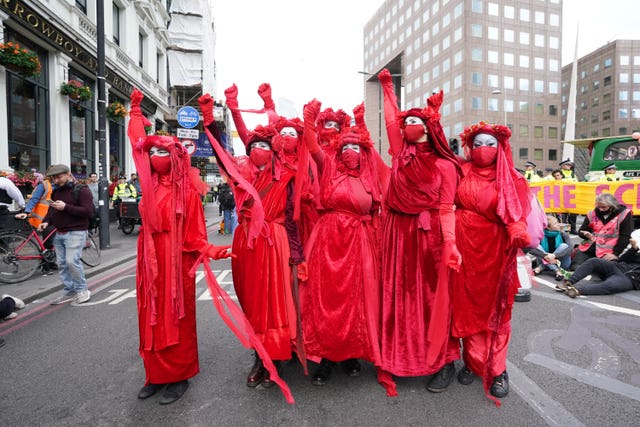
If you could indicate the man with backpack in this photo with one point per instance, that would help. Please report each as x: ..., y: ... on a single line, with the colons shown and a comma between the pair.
x: 228, y: 208
x: 70, y: 209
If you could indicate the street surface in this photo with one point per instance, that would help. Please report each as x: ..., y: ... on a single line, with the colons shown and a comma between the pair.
x: 571, y: 363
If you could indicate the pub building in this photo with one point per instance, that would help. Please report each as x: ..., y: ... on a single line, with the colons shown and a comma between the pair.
x: 43, y: 126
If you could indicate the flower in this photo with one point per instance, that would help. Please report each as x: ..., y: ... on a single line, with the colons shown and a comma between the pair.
x: 22, y: 178
x: 19, y: 59
x: 76, y: 90
x: 116, y: 110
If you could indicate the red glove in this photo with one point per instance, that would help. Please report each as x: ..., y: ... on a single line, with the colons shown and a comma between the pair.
x: 455, y: 259
x: 264, y: 90
x: 206, y: 106
x: 231, y: 95
x: 303, y: 273
x: 218, y: 252
x: 518, y: 236
x: 358, y: 114
x: 384, y: 77
x: 310, y: 112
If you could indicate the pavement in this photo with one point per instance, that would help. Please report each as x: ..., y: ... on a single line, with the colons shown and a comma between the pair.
x: 122, y: 248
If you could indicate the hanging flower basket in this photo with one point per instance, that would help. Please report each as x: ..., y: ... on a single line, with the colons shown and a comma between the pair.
x: 76, y: 90
x: 19, y: 59
x: 116, y: 111
x: 25, y: 181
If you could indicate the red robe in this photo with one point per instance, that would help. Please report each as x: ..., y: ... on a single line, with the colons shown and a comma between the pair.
x: 262, y: 275
x: 412, y: 246
x: 340, y: 302
x: 170, y: 354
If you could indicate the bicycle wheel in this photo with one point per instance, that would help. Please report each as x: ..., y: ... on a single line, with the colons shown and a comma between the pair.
x: 90, y: 253
x: 20, y: 257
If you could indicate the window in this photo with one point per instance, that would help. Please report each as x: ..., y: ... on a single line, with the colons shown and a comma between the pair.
x: 425, y: 77
x: 539, y: 108
x: 583, y: 105
x: 476, y: 6
x: 553, y: 87
x: 606, y: 132
x: 524, y: 38
x: 608, y: 63
x: 523, y: 84
x: 457, y: 34
x: 508, y: 59
x: 539, y: 17
x: 492, y: 104
x: 493, y: 9
x: 82, y: 5
x: 492, y: 80
x: 476, y: 54
x: 457, y: 58
x: 553, y: 153
x: 524, y: 61
x: 492, y: 56
x: 624, y: 77
x: 622, y: 131
x: 509, y: 12
x: 446, y: 20
x: 509, y: 36
x: 524, y: 131
x: 446, y: 42
x: 457, y: 81
x: 553, y: 133
x: 446, y: 65
x: 524, y: 107
x: 554, y: 42
x: 476, y: 103
x: 523, y: 153
x: 524, y: 15
x: 538, y: 85
x: 492, y: 33
x: 594, y: 118
x: 141, y: 50
x: 538, y: 132
x: 538, y: 63
x: 636, y: 77
x: 596, y: 84
x: 636, y: 95
x: 435, y: 71
x: 538, y: 153
x: 116, y: 24
x: 606, y: 99
x: 476, y: 30
x: 508, y: 82
x: 624, y: 59
x: 606, y: 115
x: 457, y: 105
x: 476, y: 78
x: 457, y: 11
x: 635, y: 113
x: 539, y: 40
x: 554, y: 65
x: 554, y: 20
x: 623, y: 95
x: 508, y: 106
x: 607, y: 81
x: 595, y: 101
x: 553, y: 110
x: 596, y: 68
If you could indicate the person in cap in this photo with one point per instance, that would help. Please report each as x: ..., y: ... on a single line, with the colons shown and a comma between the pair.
x: 548, y: 174
x: 123, y: 190
x: 530, y: 172
x: 492, y: 204
x: 418, y: 245
x: 172, y: 243
x: 609, y: 173
x: 70, y: 210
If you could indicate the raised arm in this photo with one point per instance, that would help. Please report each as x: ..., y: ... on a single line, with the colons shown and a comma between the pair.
x: 264, y: 90
x: 391, y: 111
x: 231, y: 95
x: 310, y: 114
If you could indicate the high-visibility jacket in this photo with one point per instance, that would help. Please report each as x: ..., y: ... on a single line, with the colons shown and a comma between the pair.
x: 605, y: 235
x: 41, y: 208
x: 568, y: 175
x: 124, y: 191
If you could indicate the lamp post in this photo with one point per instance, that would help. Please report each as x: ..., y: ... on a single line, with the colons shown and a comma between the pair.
x: 380, y: 106
x: 504, y: 102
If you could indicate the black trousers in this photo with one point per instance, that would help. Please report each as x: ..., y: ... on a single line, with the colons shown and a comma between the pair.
x: 7, y: 306
x: 613, y: 278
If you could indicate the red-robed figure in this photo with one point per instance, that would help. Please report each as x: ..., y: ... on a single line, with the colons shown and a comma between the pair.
x: 171, y: 240
x: 492, y: 204
x: 418, y: 244
x: 340, y: 301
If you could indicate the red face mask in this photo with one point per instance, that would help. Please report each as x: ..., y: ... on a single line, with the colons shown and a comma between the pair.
x: 351, y: 159
x: 484, y: 156
x: 285, y: 143
x: 328, y: 134
x: 260, y: 157
x: 413, y: 133
x: 161, y: 164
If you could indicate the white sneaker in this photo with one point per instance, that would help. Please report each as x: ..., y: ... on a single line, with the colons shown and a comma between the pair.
x: 83, y: 296
x: 63, y: 298
x: 19, y: 303
x: 11, y: 316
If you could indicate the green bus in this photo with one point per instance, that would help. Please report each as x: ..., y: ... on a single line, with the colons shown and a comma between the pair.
x: 623, y: 151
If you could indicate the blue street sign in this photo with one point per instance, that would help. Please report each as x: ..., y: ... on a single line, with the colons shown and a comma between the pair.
x: 188, y: 117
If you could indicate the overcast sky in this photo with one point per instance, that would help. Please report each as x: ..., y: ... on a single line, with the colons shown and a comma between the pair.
x: 308, y: 49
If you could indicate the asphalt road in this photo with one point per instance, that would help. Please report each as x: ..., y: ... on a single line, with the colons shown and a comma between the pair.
x: 571, y: 363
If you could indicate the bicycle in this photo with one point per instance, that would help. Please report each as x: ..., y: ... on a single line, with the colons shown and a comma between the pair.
x: 22, y: 254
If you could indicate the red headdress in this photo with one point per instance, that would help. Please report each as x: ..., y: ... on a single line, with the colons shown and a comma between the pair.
x: 328, y: 115
x: 513, y: 199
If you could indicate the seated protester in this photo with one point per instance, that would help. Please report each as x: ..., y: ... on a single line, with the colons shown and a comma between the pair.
x: 554, y: 250
x: 606, y: 230
x: 617, y: 276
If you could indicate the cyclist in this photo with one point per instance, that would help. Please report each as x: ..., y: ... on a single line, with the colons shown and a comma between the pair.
x: 69, y: 213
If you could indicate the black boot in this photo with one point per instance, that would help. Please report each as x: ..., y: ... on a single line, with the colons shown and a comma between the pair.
x: 256, y: 375
x: 267, y: 382
x: 323, y: 373
x: 149, y: 390
x: 352, y: 367
x: 441, y: 380
x: 174, y: 392
x: 465, y: 376
x: 500, y: 386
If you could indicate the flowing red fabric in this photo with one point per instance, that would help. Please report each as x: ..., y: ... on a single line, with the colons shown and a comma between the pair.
x: 262, y: 275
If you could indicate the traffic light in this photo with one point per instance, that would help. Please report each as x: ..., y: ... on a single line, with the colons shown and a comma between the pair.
x: 455, y: 147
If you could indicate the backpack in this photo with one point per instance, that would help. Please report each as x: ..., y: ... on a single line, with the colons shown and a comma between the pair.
x: 76, y: 191
x: 226, y: 199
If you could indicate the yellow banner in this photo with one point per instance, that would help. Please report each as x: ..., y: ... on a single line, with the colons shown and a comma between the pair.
x: 579, y: 197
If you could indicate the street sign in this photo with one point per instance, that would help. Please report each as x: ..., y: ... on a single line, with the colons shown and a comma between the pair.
x: 188, y: 117
x: 188, y: 133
